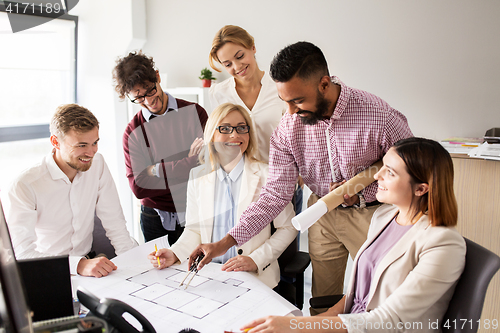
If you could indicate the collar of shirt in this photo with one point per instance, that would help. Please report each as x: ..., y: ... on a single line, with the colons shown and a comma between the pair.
x: 342, y: 100
x: 54, y: 170
x: 234, y: 174
x: 171, y: 105
x: 263, y: 81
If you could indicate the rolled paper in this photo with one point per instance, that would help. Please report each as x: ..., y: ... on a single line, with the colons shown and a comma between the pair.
x: 304, y: 220
x: 333, y: 199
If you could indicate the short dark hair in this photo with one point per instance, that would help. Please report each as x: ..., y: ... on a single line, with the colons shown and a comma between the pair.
x: 302, y: 59
x: 135, y: 68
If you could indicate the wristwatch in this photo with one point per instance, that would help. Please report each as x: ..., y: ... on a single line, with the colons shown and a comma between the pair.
x: 362, y: 202
x: 153, y: 170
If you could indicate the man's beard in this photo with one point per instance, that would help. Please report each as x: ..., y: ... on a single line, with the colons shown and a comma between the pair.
x: 82, y: 168
x: 322, y: 105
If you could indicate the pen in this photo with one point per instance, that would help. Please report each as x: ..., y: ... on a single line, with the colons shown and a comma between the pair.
x: 157, y: 258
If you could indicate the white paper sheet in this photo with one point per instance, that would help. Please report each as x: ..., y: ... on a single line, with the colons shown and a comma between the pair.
x: 214, y: 301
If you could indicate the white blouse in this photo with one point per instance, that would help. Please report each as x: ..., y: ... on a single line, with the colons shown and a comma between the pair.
x: 266, y: 113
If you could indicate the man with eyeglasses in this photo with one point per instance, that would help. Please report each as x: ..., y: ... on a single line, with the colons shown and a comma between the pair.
x: 161, y: 144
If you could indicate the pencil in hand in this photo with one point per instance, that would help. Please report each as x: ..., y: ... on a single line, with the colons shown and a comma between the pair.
x: 157, y: 258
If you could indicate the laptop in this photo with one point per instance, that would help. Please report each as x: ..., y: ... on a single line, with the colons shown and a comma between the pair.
x: 47, y: 282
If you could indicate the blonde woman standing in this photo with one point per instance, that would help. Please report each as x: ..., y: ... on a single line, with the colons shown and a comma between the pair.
x: 234, y: 49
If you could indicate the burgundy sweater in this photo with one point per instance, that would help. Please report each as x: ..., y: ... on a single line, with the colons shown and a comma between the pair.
x: 165, y: 139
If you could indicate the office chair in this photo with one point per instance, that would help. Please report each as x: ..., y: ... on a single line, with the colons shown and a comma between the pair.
x: 292, y: 264
x: 101, y: 243
x: 468, y: 298
x: 467, y: 302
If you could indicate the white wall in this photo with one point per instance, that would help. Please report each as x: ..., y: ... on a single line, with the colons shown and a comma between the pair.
x: 435, y: 61
x: 108, y: 30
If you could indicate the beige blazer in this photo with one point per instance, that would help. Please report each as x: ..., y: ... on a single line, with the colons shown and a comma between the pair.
x: 263, y: 248
x: 414, y: 282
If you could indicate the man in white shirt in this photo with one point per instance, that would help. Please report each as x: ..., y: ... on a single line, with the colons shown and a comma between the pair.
x: 53, y: 203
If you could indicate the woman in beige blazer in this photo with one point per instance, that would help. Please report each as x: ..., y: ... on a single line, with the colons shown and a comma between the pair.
x: 229, y: 151
x: 405, y: 273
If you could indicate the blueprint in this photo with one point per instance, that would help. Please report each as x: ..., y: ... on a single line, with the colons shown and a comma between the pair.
x: 214, y: 301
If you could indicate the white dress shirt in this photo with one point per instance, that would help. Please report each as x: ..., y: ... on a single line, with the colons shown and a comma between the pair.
x: 50, y: 215
x: 266, y: 112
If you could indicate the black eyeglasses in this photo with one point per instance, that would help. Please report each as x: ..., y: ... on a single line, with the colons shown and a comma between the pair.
x: 242, y: 129
x: 140, y: 99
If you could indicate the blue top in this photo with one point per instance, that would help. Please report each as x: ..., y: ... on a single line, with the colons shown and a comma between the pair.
x: 226, y: 205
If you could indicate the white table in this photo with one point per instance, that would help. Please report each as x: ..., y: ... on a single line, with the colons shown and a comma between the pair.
x: 215, y: 300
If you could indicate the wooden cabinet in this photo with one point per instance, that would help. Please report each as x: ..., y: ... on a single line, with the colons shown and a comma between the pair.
x: 477, y: 188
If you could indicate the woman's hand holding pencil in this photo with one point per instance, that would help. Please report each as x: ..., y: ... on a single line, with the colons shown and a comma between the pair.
x: 162, y: 258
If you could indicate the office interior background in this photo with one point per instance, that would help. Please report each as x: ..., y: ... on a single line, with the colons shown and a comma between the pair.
x: 435, y: 61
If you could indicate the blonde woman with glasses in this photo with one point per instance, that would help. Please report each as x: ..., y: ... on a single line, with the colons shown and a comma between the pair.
x: 228, y: 180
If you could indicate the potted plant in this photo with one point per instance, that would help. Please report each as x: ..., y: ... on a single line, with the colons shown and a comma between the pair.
x: 206, y: 77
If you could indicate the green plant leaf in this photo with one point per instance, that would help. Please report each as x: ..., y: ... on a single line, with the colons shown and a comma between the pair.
x: 206, y: 74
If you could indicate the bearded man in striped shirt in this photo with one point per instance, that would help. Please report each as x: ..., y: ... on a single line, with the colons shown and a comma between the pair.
x: 330, y: 133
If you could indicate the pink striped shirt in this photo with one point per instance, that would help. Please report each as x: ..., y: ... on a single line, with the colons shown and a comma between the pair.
x: 361, y: 130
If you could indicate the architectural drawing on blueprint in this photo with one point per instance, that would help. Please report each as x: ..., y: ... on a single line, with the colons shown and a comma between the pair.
x: 202, y: 297
x: 214, y: 301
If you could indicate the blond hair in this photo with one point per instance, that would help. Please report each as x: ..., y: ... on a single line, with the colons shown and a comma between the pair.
x: 209, y: 155
x: 72, y: 117
x: 229, y: 34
